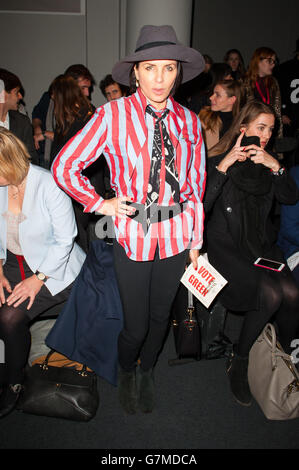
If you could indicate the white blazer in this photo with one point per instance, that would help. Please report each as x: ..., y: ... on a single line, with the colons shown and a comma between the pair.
x: 48, y: 232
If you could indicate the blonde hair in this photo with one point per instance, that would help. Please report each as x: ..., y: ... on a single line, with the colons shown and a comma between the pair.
x: 14, y: 158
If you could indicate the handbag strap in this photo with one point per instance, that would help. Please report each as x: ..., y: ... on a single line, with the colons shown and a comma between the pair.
x: 269, y: 335
x: 44, y: 365
x: 190, y: 299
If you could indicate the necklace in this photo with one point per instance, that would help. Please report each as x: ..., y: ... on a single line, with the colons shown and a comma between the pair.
x: 19, y: 188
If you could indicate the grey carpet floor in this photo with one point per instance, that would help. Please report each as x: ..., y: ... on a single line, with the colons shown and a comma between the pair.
x: 194, y: 410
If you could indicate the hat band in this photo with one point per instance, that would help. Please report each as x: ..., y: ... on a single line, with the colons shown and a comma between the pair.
x: 149, y: 45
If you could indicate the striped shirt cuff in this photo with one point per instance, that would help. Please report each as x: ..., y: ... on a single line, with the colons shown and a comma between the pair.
x: 95, y: 206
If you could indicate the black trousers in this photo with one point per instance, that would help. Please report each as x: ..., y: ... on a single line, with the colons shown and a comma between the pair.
x: 147, y: 290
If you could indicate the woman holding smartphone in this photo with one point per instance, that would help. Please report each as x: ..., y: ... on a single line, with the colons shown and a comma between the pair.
x: 243, y: 182
x: 234, y: 59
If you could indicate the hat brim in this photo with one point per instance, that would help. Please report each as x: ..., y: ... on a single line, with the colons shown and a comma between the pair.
x: 192, y: 61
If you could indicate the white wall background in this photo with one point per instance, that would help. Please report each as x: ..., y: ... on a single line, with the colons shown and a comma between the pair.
x: 38, y: 47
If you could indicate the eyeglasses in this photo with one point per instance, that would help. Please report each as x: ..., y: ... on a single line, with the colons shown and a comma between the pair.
x: 269, y: 60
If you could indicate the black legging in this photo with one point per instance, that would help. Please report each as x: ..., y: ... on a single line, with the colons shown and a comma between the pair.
x: 279, y: 298
x: 14, y: 322
x: 14, y: 331
x: 147, y: 290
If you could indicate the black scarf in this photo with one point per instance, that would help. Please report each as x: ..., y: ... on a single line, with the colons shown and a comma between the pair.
x: 251, y: 187
x: 171, y: 176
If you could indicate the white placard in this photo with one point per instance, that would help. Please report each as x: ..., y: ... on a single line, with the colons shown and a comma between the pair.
x: 205, y: 282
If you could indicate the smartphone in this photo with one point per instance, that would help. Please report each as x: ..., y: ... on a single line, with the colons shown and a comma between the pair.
x: 250, y: 140
x: 269, y: 264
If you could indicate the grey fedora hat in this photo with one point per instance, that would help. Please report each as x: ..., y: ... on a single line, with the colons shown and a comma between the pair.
x: 159, y: 42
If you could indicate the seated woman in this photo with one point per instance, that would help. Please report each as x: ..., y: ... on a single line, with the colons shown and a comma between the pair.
x: 260, y: 84
x: 225, y: 105
x: 218, y: 71
x: 243, y: 183
x: 288, y: 237
x: 72, y: 110
x: 38, y: 258
x: 235, y: 60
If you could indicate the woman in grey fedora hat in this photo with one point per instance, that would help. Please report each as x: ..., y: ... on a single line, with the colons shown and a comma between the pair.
x: 156, y: 156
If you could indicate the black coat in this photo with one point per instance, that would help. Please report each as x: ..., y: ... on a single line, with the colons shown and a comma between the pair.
x: 224, y: 232
x: 20, y: 126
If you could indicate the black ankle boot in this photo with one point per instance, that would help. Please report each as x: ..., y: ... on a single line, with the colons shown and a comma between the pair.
x: 127, y: 391
x: 9, y: 398
x: 238, y: 374
x: 146, y: 390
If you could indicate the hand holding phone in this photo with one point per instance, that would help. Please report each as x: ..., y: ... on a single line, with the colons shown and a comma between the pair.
x: 250, y: 140
x: 269, y: 264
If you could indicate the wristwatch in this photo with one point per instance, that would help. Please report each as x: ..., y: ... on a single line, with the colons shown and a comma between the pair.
x: 279, y: 172
x: 41, y: 276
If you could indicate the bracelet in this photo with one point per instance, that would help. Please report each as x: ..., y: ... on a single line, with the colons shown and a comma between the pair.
x: 279, y: 172
x: 222, y: 172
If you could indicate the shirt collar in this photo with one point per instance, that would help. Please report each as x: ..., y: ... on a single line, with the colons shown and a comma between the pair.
x: 170, y: 103
x: 6, y: 122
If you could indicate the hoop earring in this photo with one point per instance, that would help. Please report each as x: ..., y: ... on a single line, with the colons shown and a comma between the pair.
x: 137, y: 83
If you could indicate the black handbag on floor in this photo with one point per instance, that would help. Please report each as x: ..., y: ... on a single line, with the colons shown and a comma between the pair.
x: 214, y: 343
x: 185, y: 326
x: 198, y: 331
x: 60, y: 392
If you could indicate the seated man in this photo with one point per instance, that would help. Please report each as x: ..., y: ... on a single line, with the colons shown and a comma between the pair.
x: 10, y: 117
x: 82, y: 76
x: 111, y: 89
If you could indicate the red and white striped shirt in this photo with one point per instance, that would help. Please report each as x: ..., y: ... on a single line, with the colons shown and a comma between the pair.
x: 123, y: 132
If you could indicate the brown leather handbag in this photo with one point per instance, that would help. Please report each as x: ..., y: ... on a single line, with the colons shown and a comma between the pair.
x: 273, y: 378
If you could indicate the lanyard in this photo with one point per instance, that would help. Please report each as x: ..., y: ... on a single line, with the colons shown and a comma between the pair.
x: 265, y: 100
x: 21, y: 259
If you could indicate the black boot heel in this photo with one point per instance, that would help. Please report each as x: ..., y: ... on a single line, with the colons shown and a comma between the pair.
x: 127, y: 391
x: 237, y: 372
x: 146, y: 394
x: 8, y: 399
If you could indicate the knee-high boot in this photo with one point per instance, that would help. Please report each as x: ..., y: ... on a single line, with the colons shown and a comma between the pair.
x: 237, y: 371
x: 127, y: 391
x: 146, y: 390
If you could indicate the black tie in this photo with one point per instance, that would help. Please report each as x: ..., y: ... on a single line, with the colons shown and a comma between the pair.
x: 171, y: 176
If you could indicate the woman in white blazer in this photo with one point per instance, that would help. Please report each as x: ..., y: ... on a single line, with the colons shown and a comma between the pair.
x: 38, y: 257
